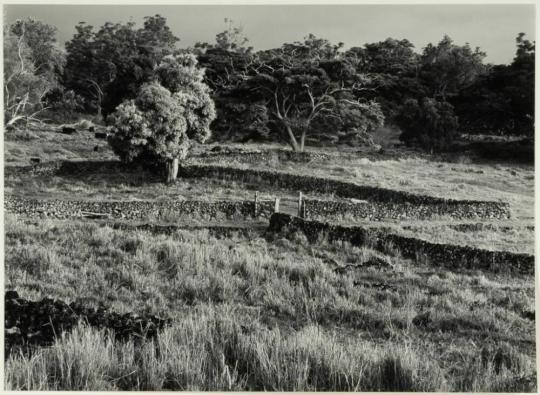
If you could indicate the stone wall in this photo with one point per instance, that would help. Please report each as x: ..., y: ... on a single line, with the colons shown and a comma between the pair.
x: 69, y: 168
x: 393, y: 203
x: 474, y: 227
x: 380, y: 202
x: 448, y: 255
x: 327, y: 209
x: 258, y: 156
x: 137, y: 209
x: 47, y: 168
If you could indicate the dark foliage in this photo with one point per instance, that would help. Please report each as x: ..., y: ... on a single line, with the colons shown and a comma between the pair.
x: 311, y: 90
x: 109, y: 65
x: 502, y: 102
x: 428, y: 123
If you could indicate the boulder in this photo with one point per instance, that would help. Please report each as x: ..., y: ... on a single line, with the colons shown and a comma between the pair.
x: 68, y: 130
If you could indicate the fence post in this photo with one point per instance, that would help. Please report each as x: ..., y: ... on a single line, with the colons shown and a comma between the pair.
x: 276, y: 205
x: 256, y: 201
x: 300, y: 204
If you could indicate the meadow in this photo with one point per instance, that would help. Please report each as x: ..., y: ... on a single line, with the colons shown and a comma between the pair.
x: 267, y: 313
x: 255, y: 310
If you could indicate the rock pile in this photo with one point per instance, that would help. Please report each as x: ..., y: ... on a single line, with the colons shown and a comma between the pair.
x: 39, y: 323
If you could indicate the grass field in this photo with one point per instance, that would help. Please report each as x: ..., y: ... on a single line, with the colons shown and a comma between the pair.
x: 258, y: 311
x: 267, y: 313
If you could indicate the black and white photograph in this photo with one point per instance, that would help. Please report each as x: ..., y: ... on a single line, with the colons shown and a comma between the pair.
x: 269, y: 197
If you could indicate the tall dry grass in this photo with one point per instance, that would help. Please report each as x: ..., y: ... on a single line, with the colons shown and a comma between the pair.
x: 266, y: 313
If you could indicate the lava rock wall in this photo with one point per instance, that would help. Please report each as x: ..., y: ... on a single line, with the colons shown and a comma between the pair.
x: 136, y: 209
x: 448, y: 255
x: 258, y: 156
x: 382, y: 202
x: 327, y: 209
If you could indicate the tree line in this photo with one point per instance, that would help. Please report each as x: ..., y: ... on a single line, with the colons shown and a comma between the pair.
x: 298, y: 93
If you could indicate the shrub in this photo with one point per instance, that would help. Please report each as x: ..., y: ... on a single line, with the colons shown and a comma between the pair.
x: 429, y: 124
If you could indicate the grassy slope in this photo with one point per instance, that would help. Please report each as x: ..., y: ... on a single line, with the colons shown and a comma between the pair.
x: 242, y: 305
x: 252, y: 313
x: 511, y: 183
x: 47, y: 144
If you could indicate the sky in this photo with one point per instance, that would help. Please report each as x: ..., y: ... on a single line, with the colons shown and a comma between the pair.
x: 493, y: 28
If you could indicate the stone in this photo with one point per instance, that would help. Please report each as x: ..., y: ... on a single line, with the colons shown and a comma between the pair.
x: 68, y: 130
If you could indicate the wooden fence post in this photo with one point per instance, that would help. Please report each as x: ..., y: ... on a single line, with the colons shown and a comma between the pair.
x: 300, y: 204
x: 276, y: 205
x: 256, y: 201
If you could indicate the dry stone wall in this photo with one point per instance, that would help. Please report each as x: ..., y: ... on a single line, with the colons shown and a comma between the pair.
x: 136, y: 209
x: 68, y: 168
x: 258, y: 156
x: 327, y: 209
x: 447, y: 255
x: 474, y: 227
x: 382, y: 202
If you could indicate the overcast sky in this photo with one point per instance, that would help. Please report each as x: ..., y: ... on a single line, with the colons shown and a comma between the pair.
x: 491, y: 27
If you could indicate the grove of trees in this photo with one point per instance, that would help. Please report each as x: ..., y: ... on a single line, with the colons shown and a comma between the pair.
x: 157, y: 96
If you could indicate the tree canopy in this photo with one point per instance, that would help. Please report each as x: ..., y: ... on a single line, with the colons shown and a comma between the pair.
x: 167, y: 114
x: 302, y: 92
x: 109, y: 65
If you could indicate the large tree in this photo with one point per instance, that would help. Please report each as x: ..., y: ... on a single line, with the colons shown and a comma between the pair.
x: 48, y: 58
x: 393, y: 68
x: 109, y: 65
x: 502, y: 101
x: 165, y: 117
x: 304, y: 83
x: 25, y: 81
x: 227, y: 62
x: 447, y: 68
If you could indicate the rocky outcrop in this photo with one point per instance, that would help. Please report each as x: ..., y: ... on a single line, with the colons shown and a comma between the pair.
x: 38, y: 323
x: 448, y: 255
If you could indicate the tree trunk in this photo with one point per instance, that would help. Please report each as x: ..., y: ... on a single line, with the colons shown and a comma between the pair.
x: 292, y: 139
x: 172, y: 170
x: 303, y: 140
